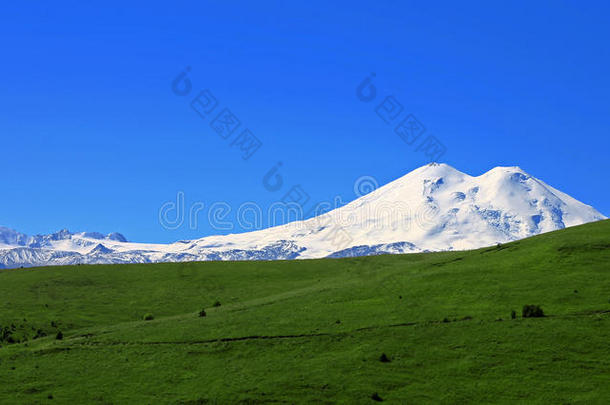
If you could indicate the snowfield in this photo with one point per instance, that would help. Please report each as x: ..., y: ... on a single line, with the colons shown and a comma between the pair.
x: 433, y: 208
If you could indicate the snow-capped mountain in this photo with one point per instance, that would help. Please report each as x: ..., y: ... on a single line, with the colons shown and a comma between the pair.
x: 433, y: 208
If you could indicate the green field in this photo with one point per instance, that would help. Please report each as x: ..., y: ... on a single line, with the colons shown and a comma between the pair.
x: 313, y: 331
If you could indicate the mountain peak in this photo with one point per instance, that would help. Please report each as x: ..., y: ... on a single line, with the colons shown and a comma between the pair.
x: 100, y: 249
x: 59, y: 235
x: 430, y: 170
x: 506, y: 169
x: 437, y: 167
x: 11, y: 237
x: 116, y: 237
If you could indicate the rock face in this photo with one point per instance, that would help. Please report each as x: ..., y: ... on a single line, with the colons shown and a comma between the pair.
x: 382, y: 249
x: 433, y: 208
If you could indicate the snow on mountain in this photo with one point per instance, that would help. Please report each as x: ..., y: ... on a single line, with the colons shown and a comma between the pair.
x: 433, y: 208
x: 9, y: 237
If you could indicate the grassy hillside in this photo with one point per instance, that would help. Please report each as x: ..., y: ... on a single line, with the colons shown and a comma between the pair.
x: 314, y: 331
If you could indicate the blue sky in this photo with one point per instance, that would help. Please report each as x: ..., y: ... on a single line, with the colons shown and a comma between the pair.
x: 94, y: 138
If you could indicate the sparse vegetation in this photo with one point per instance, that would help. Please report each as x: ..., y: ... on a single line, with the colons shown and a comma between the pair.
x: 19, y: 332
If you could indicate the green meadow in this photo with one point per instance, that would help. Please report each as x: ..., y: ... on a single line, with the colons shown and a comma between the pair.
x: 404, y: 329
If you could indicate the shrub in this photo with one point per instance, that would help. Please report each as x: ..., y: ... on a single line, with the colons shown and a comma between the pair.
x: 376, y: 397
x: 5, y: 334
x: 59, y: 336
x: 513, y: 314
x: 217, y: 304
x: 202, y: 313
x: 532, y: 311
x: 383, y: 358
x: 148, y: 317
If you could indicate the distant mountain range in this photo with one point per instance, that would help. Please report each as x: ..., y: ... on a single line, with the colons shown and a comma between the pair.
x: 433, y: 208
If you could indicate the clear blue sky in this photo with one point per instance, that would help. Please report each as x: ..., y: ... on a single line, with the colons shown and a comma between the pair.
x: 93, y: 138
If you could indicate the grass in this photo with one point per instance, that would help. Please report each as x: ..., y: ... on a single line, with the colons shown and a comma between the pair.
x: 316, y: 330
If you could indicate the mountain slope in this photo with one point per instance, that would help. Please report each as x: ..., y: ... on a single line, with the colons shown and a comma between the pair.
x: 313, y: 331
x: 433, y: 208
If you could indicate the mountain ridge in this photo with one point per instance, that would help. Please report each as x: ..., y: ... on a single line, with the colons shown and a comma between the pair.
x: 432, y: 208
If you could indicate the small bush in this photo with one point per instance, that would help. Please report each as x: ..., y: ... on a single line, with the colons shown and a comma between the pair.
x: 217, y: 304
x: 148, y: 317
x: 532, y: 311
x: 59, y: 336
x: 513, y: 314
x: 376, y: 397
x: 202, y: 313
x: 383, y: 358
